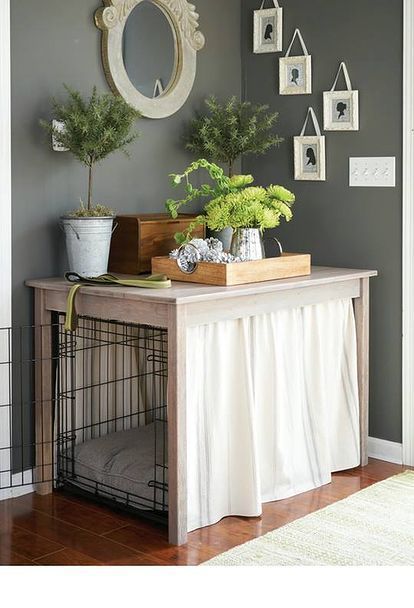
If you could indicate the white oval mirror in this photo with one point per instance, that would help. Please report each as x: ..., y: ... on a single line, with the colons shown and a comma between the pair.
x: 149, y: 50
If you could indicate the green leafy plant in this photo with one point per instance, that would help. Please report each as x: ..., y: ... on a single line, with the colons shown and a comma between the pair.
x: 93, y: 129
x: 232, y: 129
x: 234, y: 202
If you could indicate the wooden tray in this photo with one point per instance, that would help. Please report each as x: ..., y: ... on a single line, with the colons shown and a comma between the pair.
x: 287, y: 266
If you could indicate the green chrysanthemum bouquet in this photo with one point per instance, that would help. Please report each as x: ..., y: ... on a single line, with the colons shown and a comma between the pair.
x: 233, y: 203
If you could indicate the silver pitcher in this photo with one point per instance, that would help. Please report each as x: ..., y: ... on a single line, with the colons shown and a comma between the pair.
x: 247, y: 244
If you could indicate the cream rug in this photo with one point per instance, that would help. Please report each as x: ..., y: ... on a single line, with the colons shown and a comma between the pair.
x: 374, y: 527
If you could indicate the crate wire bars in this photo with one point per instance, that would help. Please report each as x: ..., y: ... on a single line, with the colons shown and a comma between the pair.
x: 108, y: 439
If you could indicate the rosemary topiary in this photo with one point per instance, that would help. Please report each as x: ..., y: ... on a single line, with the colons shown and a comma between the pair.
x: 233, y: 201
x: 93, y: 129
x: 232, y: 129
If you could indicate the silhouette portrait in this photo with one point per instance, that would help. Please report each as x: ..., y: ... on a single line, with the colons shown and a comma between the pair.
x: 310, y: 155
x: 268, y: 35
x: 295, y: 76
x: 340, y: 108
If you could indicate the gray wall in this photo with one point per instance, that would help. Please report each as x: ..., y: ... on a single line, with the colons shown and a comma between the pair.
x: 342, y: 226
x: 55, y: 41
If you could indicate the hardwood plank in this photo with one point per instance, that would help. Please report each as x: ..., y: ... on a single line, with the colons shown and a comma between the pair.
x: 377, y: 470
x: 10, y: 509
x: 159, y: 547
x: 139, y: 540
x: 81, y: 515
x: 28, y: 544
x: 225, y: 535
x: 67, y: 557
x: 92, y: 545
x: 122, y: 518
x: 9, y: 557
x: 139, y: 560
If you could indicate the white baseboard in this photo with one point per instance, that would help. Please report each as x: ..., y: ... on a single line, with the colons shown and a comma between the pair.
x: 17, y: 488
x: 381, y: 449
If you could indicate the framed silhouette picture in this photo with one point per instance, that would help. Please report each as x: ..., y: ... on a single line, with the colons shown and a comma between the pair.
x: 267, y: 31
x: 309, y: 152
x: 310, y: 159
x: 295, y: 75
x: 295, y: 72
x: 341, y: 108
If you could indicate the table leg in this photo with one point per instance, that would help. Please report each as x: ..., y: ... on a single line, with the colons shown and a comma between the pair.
x: 362, y: 328
x: 177, y: 442
x: 43, y: 473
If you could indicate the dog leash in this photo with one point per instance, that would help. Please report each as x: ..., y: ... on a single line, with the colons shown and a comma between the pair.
x: 155, y: 281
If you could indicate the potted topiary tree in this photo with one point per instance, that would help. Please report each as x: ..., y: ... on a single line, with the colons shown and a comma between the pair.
x: 91, y: 130
x: 229, y: 130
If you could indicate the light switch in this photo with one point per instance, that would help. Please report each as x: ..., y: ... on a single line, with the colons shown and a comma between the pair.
x: 374, y: 172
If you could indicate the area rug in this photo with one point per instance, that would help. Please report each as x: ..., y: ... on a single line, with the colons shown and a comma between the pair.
x: 374, y: 527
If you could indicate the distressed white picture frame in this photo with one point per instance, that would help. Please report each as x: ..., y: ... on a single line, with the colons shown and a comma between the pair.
x: 332, y: 119
x: 291, y: 83
x: 305, y: 170
x: 262, y: 19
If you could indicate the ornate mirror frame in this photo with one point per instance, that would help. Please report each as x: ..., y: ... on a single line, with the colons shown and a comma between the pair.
x: 183, y: 18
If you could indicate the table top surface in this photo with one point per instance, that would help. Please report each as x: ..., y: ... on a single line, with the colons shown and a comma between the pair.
x: 185, y: 293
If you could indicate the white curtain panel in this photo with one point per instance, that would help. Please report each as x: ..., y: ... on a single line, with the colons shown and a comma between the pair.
x: 272, y: 408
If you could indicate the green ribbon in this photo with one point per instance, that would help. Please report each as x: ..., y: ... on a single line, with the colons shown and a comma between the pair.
x: 155, y: 281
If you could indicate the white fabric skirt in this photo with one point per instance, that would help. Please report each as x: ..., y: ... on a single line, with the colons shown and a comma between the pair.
x: 272, y: 408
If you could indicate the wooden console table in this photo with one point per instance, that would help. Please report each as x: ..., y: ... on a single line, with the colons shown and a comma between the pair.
x: 187, y: 305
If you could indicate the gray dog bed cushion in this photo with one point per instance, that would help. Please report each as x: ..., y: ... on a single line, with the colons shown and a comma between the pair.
x: 124, y: 461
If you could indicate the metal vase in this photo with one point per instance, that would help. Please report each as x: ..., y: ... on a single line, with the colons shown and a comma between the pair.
x: 247, y: 244
x: 224, y: 236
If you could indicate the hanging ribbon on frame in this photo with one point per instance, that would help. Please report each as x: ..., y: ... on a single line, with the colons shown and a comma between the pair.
x: 295, y: 72
x: 309, y: 152
x: 341, y: 108
x: 268, y: 28
x: 311, y: 114
x: 299, y: 36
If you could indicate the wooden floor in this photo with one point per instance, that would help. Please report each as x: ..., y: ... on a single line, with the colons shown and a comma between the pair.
x: 60, y: 530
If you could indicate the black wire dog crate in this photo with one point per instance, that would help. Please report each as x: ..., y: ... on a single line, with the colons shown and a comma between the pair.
x: 107, y: 438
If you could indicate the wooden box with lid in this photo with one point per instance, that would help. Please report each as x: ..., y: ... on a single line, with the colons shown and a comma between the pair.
x: 139, y: 238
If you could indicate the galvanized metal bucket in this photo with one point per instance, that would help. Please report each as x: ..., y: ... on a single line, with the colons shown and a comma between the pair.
x: 88, y: 241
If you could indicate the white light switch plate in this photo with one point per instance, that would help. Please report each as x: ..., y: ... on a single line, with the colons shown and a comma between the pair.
x: 377, y: 172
